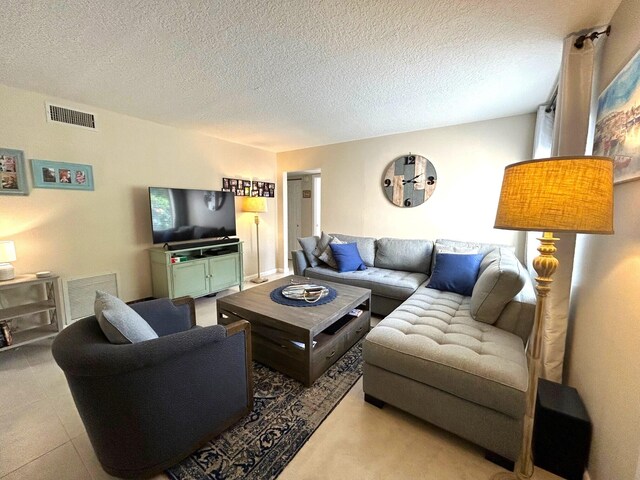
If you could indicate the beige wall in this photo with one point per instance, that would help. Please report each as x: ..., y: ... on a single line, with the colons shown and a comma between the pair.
x: 78, y: 233
x: 469, y: 160
x: 604, y: 343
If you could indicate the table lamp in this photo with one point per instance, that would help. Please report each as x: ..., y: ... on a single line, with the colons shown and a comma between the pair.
x: 256, y: 205
x: 560, y: 194
x: 7, y: 255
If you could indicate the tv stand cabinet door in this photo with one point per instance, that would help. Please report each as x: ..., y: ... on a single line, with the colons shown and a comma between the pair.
x: 225, y: 272
x: 190, y: 279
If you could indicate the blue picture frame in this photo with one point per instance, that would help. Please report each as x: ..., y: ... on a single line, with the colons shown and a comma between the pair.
x: 62, y: 175
x: 13, y: 179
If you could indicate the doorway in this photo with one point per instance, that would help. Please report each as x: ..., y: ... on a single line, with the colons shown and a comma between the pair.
x: 294, y: 212
x: 302, y: 210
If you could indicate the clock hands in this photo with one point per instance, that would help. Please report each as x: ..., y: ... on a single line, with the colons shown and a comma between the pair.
x: 411, y: 180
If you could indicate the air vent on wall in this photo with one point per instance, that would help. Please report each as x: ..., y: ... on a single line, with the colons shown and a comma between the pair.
x: 58, y: 114
x: 80, y: 293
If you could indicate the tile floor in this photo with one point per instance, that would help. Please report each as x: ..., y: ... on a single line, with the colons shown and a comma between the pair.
x: 42, y: 436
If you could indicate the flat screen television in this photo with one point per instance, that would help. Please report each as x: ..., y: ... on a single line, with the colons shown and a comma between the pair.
x: 181, y: 215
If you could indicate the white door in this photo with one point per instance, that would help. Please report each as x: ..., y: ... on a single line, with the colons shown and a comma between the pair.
x: 294, y: 204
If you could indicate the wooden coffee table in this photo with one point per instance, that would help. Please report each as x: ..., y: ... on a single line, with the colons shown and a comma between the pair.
x: 275, y: 327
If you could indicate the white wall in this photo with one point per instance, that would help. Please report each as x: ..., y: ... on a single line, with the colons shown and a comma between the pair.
x: 78, y: 233
x: 604, y: 342
x: 469, y: 160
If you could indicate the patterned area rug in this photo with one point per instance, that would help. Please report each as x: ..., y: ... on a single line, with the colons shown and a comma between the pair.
x: 284, y: 416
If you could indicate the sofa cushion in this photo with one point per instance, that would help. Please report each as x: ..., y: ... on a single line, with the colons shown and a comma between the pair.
x: 408, y: 255
x: 456, y: 246
x: 347, y: 257
x: 119, y: 322
x: 366, y: 247
x: 322, y: 245
x: 387, y: 283
x: 431, y: 338
x: 455, y: 272
x: 501, y: 277
x: 308, y: 245
x: 327, y: 254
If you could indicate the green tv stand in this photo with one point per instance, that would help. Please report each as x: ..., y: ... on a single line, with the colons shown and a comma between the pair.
x: 196, y: 271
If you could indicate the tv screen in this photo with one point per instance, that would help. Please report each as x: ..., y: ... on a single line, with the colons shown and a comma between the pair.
x: 179, y: 215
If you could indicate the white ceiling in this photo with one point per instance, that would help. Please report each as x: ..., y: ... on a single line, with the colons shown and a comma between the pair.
x: 287, y: 74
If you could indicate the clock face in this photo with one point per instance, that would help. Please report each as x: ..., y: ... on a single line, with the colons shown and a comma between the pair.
x: 409, y: 180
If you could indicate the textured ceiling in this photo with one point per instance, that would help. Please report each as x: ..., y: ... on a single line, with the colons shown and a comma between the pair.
x: 288, y: 74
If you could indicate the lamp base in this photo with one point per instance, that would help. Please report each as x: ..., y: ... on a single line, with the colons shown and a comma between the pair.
x: 259, y: 280
x: 7, y: 272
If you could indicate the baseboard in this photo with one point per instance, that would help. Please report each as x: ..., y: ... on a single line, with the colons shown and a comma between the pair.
x: 262, y: 274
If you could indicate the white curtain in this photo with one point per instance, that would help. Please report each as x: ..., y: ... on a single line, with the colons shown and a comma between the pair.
x: 542, y: 144
x: 572, y: 135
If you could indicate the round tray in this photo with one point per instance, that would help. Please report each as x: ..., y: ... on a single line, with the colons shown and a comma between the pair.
x: 308, y: 292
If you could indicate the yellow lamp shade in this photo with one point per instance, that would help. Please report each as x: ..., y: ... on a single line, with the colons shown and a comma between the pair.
x: 560, y: 194
x: 254, y: 204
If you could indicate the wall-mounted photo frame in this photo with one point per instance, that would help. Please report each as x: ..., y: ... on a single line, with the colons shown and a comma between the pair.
x: 63, y: 175
x: 617, y: 132
x: 263, y: 189
x: 13, y: 177
x: 239, y: 187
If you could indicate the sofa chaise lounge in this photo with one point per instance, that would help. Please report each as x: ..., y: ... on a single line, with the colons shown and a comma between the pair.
x: 453, y: 360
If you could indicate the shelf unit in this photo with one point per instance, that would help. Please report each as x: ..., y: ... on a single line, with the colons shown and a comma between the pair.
x: 196, y: 271
x: 49, y: 303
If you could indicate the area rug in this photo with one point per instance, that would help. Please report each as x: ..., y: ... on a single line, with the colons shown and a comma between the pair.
x: 284, y: 416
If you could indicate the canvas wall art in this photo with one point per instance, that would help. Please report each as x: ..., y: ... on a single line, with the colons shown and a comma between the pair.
x: 617, y: 132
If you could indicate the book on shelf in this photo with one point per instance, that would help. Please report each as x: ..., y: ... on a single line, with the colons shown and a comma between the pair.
x: 6, y: 333
x: 356, y: 312
x: 301, y: 345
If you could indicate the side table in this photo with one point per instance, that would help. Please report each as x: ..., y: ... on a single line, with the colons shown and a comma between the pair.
x: 43, y: 297
x: 562, y: 431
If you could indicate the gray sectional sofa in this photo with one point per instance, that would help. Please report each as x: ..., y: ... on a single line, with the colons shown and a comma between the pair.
x: 456, y: 361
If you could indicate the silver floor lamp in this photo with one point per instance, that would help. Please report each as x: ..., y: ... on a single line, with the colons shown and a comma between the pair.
x: 560, y: 194
x: 256, y: 205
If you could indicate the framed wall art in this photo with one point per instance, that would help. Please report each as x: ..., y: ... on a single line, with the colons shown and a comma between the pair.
x: 263, y: 189
x: 13, y: 178
x: 239, y: 187
x: 617, y: 132
x: 63, y: 175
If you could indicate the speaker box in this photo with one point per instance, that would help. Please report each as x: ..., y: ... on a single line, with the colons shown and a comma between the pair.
x: 562, y: 431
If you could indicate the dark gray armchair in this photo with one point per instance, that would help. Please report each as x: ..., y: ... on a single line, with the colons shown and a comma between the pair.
x: 148, y: 405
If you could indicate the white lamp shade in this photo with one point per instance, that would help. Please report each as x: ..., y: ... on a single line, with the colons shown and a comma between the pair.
x: 7, y: 251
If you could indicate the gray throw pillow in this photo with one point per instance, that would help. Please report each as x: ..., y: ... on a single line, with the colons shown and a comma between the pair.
x: 327, y: 255
x: 119, y: 322
x: 501, y: 278
x: 322, y: 245
x: 308, y: 245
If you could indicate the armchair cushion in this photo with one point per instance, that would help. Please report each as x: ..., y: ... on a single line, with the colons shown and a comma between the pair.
x: 164, y: 316
x: 119, y: 322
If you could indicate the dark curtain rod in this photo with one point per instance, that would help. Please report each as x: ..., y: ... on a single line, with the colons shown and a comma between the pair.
x: 579, y: 43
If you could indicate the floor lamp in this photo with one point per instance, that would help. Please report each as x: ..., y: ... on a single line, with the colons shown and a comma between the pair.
x: 256, y: 205
x: 561, y: 194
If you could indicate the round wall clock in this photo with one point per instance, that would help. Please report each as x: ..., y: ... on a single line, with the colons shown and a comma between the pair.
x: 409, y: 180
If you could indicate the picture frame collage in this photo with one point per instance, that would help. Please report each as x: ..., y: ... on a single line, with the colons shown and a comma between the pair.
x: 45, y: 174
x: 246, y: 188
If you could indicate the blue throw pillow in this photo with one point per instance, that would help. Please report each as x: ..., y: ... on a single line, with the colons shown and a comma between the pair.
x: 347, y: 257
x: 455, y: 272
